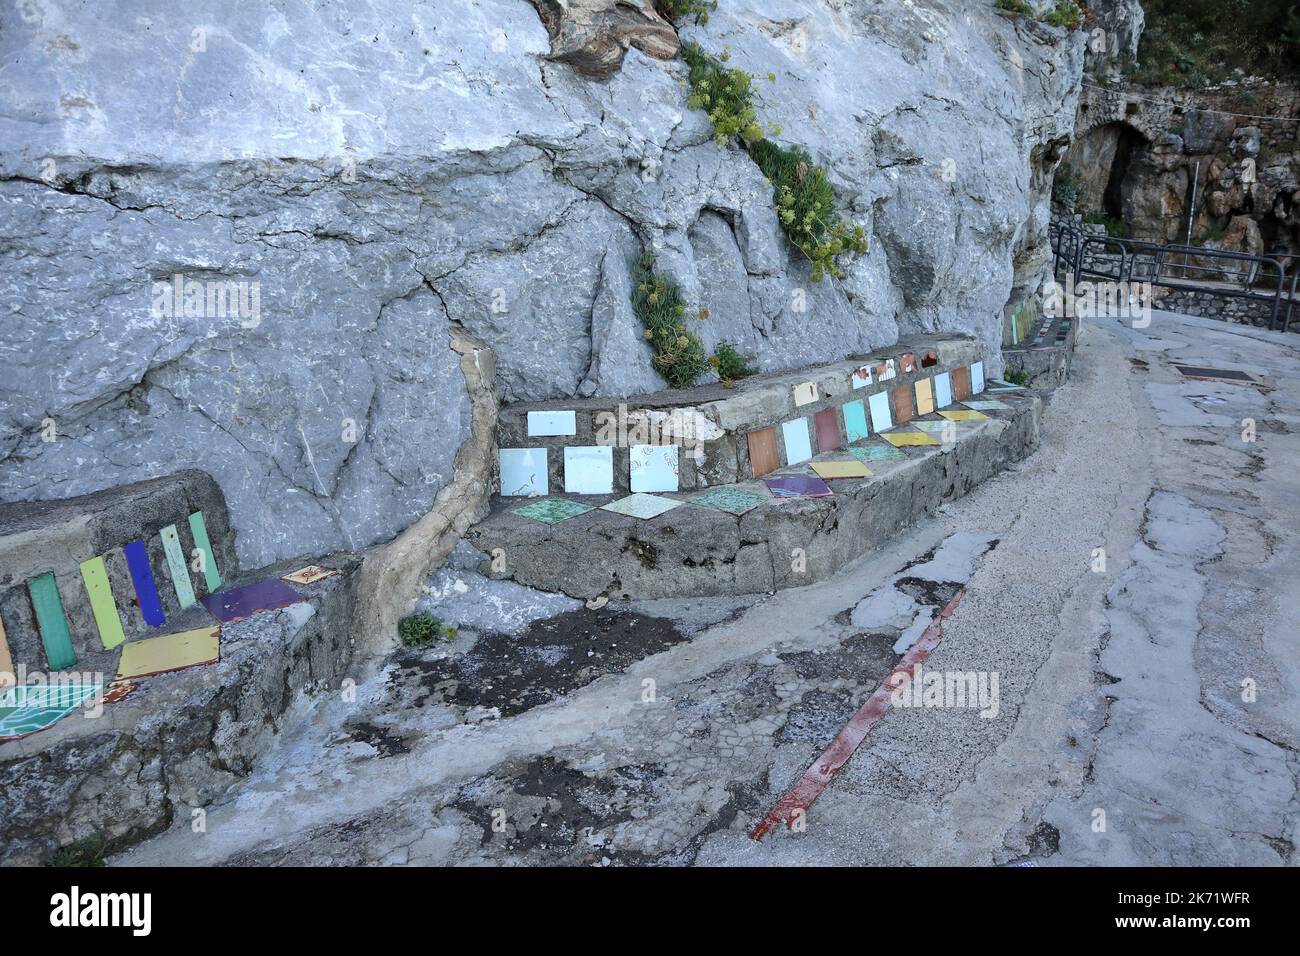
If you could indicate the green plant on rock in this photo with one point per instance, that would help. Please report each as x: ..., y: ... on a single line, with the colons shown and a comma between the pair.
x: 88, y: 852
x: 726, y: 94
x: 676, y: 10
x: 1018, y: 377
x: 805, y: 205
x: 730, y: 364
x: 679, y: 356
x: 1066, y: 14
x: 421, y: 629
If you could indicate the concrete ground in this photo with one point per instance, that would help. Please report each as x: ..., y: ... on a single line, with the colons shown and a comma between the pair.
x: 1128, y: 616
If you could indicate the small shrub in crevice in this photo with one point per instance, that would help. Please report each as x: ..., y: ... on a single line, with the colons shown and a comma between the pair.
x: 679, y: 355
x: 675, y: 10
x: 421, y: 630
x: 730, y: 364
x: 727, y: 95
x: 805, y: 205
x: 88, y: 852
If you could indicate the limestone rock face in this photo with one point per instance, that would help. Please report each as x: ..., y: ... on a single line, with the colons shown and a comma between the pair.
x: 363, y: 178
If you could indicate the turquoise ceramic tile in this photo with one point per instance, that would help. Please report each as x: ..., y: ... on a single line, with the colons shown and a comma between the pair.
x: 942, y: 390
x: 976, y: 378
x: 855, y: 421
x: 552, y: 510
x: 654, y: 467
x: 798, y: 447
x: 552, y: 423
x: 734, y: 501
x: 523, y: 471
x: 881, y: 420
x: 589, y: 470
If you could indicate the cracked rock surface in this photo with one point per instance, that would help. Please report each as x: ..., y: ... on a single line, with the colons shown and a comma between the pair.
x: 389, y: 172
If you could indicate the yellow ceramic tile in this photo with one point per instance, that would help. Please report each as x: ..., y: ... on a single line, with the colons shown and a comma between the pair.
x: 6, y: 661
x: 171, y: 652
x: 963, y: 416
x: 841, y: 469
x: 924, y: 397
x: 899, y: 439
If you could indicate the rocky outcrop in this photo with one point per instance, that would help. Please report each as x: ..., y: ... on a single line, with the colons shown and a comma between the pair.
x: 340, y: 187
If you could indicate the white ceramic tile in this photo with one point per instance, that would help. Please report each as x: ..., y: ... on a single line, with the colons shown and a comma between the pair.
x: 552, y: 423
x: 805, y: 393
x: 798, y: 447
x: 861, y: 377
x: 654, y: 467
x: 976, y: 378
x: 942, y: 390
x: 881, y: 419
x: 589, y: 470
x: 523, y: 471
x: 642, y: 506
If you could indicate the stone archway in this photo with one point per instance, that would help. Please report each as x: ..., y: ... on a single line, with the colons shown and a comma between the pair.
x: 1101, y: 163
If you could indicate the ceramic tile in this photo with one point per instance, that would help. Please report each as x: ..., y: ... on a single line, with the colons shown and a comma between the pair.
x: 985, y: 405
x: 905, y: 439
x: 924, y: 396
x: 763, y: 456
x: 886, y: 370
x: 523, y: 471
x: 976, y: 378
x: 904, y: 406
x: 798, y: 486
x: 959, y: 415
x: 798, y: 447
x: 907, y: 364
x: 861, y: 377
x: 929, y: 359
x: 589, y: 470
x: 239, y: 603
x: 841, y: 469
x: 855, y: 421
x: 942, y: 390
x: 552, y: 423
x: 935, y: 428
x: 879, y: 453
x: 734, y: 501
x: 805, y: 393
x: 961, y: 383
x: 552, y: 510
x: 654, y: 467
x: 881, y: 420
x: 171, y: 652
x: 641, y: 506
x: 309, y: 575
x: 827, y: 424
x: 27, y: 708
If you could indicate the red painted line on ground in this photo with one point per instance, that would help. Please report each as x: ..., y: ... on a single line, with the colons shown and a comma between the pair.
x: 832, y: 761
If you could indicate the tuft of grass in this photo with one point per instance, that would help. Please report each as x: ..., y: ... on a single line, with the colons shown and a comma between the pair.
x: 88, y: 852
x: 679, y: 355
x: 420, y: 630
x: 731, y: 365
x: 1018, y: 377
x: 726, y: 94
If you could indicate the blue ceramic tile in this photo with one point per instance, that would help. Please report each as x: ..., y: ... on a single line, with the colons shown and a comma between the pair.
x: 942, y: 390
x: 798, y: 446
x: 589, y: 470
x: 552, y: 423
x: 523, y: 471
x: 653, y: 467
x: 881, y: 420
x: 855, y: 421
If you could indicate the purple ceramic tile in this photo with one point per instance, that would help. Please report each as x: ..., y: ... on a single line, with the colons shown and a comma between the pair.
x: 239, y: 603
x: 798, y: 486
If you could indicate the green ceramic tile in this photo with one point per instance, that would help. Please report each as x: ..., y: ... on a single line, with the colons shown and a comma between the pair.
x: 879, y: 453
x: 52, y: 622
x: 552, y: 510
x: 199, y: 531
x: 734, y: 501
x: 176, y: 566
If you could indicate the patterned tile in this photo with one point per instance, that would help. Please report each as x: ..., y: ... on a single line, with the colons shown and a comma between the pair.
x: 28, y: 708
x: 734, y: 501
x: 654, y: 467
x: 879, y: 453
x: 641, y: 506
x: 552, y: 510
x: 861, y: 377
x: 523, y: 471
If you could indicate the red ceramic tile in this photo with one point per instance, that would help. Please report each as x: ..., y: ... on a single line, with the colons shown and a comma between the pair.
x: 961, y: 384
x: 904, y: 404
x: 828, y: 430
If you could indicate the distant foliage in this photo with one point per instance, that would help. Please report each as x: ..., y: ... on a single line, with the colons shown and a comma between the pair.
x: 730, y: 364
x: 1065, y: 188
x: 1199, y: 42
x: 1065, y: 13
x: 679, y: 356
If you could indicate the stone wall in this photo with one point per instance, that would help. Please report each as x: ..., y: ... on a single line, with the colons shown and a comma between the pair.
x: 374, y: 176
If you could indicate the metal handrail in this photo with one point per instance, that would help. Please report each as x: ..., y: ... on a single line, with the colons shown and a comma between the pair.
x: 1148, y: 261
